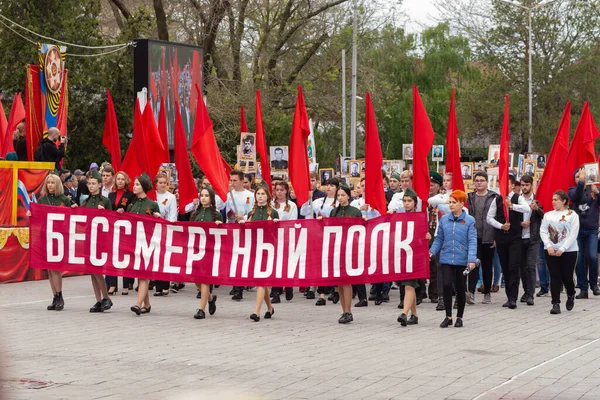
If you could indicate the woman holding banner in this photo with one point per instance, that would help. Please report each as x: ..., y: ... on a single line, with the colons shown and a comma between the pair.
x: 457, y: 240
x: 96, y: 200
x: 287, y: 211
x: 121, y: 198
x: 142, y: 205
x: 53, y: 195
x: 262, y: 211
x: 321, y: 208
x: 345, y: 210
x: 206, y: 212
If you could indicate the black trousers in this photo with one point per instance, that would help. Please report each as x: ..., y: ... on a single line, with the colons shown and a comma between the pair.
x: 361, y: 291
x: 452, y: 275
x: 510, y: 260
x: 529, y: 256
x: 485, y: 253
x: 112, y: 281
x: 161, y: 285
x: 561, y: 273
x: 434, y: 291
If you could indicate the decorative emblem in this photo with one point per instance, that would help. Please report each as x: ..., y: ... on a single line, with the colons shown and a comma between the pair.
x: 53, y: 70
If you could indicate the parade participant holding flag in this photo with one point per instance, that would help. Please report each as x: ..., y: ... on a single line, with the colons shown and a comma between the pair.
x: 262, y: 211
x: 53, y: 195
x: 456, y: 242
x: 96, y: 200
x: 287, y: 211
x: 206, y: 212
x: 142, y: 205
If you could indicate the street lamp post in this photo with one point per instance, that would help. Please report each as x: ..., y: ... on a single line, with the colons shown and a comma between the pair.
x: 529, y: 12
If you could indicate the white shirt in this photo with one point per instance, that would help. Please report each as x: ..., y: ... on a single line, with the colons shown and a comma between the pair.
x: 370, y: 213
x: 241, y: 204
x: 106, y: 191
x: 559, y: 230
x: 522, y: 207
x: 397, y: 203
x: 167, y: 204
x: 322, y: 206
x: 527, y: 217
x: 286, y: 215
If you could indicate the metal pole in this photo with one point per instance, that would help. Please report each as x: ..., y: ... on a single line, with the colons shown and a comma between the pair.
x: 344, y: 146
x: 353, y: 101
x: 529, y: 144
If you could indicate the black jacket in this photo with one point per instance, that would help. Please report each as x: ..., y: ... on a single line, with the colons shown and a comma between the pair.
x: 20, y: 146
x: 126, y: 200
x: 51, y: 153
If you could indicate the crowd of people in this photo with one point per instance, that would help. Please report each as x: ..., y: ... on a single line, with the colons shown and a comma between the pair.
x: 469, y: 235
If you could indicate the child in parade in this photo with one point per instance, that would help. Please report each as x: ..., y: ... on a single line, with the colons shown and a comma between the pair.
x: 287, y: 211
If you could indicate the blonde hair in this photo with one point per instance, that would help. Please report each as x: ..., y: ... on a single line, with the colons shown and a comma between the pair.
x: 406, y: 174
x: 58, y: 185
x: 127, y: 180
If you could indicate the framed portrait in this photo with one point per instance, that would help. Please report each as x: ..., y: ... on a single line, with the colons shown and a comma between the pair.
x: 437, y: 152
x: 511, y: 160
x: 529, y: 166
x: 279, y: 158
x: 480, y: 166
x: 355, y: 168
x: 493, y: 182
x: 314, y: 167
x: 353, y: 182
x: 387, y: 167
x: 466, y: 169
x: 397, y: 166
x: 493, y: 155
x: 591, y: 173
x: 325, y: 174
x: 363, y: 165
x: 407, y: 151
x: 541, y: 161
x: 258, y: 171
x: 247, y: 146
x: 171, y: 170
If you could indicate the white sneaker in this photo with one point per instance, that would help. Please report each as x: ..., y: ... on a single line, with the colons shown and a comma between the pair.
x: 470, y: 298
x: 487, y: 299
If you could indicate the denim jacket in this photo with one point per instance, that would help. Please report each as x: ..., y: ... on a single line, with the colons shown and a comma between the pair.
x: 456, y: 240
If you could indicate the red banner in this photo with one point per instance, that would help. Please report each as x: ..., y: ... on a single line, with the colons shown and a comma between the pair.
x: 263, y: 253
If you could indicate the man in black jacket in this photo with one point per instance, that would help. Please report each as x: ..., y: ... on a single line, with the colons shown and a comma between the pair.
x: 47, y: 150
x: 532, y: 221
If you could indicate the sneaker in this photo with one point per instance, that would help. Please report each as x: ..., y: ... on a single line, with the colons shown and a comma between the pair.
x: 542, y: 293
x: 583, y: 294
x: 200, y: 314
x: 470, y: 298
x: 555, y: 309
x: 440, y: 306
x: 570, y: 302
x: 487, y: 298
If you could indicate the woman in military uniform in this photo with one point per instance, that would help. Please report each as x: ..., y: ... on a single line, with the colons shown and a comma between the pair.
x: 207, y: 212
x: 262, y: 211
x: 96, y: 200
x: 121, y: 197
x: 142, y: 205
x: 53, y: 195
x: 345, y: 210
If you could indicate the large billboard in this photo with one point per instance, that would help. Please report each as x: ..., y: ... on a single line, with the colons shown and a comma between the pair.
x: 170, y: 71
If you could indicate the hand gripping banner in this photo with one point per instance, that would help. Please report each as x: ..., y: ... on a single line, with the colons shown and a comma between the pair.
x: 330, y: 252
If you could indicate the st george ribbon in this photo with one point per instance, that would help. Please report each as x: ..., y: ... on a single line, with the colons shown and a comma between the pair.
x: 330, y: 252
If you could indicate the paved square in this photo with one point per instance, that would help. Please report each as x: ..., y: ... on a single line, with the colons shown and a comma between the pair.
x: 302, y: 353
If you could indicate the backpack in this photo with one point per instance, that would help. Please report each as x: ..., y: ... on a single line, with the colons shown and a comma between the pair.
x: 39, y: 153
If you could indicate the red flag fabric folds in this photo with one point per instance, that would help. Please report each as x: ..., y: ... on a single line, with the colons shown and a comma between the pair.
x: 261, y: 143
x: 374, y: 195
x: 187, y: 185
x: 423, y: 137
x: 153, y: 145
x: 3, y: 123
x: 243, y: 124
x: 503, y: 161
x: 298, y: 153
x: 453, y: 149
x: 136, y: 161
x: 17, y: 114
x: 556, y: 176
x: 162, y: 129
x: 583, y: 146
x: 206, y: 151
x: 110, y: 138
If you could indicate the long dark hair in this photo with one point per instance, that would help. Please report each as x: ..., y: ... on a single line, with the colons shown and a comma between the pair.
x: 269, y: 209
x: 81, y: 189
x: 287, y: 196
x: 213, y: 204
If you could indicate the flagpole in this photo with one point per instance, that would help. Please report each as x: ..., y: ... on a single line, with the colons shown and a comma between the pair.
x: 344, y: 103
x: 353, y: 100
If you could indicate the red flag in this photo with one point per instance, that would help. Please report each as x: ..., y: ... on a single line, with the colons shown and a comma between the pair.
x: 17, y: 114
x: 374, y: 195
x: 153, y: 88
x: 63, y: 108
x: 136, y: 161
x: 503, y: 161
x: 206, y: 151
x: 423, y: 137
x: 3, y: 123
x: 243, y: 124
x: 162, y: 129
x: 582, y: 148
x: 34, y: 114
x: 556, y: 176
x: 187, y: 185
x: 261, y: 143
x: 453, y: 150
x: 153, y: 145
x: 110, y: 138
x: 298, y: 154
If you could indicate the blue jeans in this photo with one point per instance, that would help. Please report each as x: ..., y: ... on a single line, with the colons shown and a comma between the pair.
x: 588, y: 249
x: 542, y: 269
